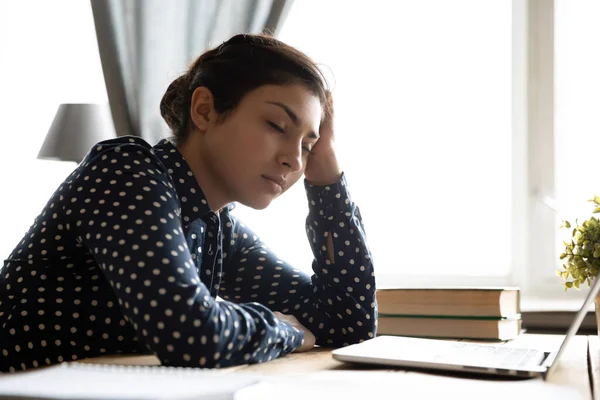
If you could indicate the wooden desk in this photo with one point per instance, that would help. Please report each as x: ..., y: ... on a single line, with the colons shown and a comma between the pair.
x: 572, y: 371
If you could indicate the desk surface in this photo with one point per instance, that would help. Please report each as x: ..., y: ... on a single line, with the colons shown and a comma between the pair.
x: 573, y: 371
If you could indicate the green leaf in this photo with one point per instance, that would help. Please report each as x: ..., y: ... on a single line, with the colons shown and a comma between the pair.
x: 581, y: 255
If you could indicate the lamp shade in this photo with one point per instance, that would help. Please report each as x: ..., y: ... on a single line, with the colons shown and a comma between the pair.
x: 75, y: 129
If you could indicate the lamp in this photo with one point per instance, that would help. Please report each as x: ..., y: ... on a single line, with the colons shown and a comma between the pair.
x: 75, y: 129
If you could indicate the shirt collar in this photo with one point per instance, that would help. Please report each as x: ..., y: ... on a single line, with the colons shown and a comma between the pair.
x: 193, y: 200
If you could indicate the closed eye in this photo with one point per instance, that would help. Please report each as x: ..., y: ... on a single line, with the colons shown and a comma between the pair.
x: 276, y: 127
x: 281, y: 130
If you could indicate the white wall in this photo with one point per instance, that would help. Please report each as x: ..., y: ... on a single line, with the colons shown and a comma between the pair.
x: 48, y: 56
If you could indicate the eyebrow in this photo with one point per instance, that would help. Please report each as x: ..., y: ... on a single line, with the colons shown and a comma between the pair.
x: 293, y: 117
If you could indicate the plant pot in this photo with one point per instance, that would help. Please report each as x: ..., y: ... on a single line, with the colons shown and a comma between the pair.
x: 597, y: 308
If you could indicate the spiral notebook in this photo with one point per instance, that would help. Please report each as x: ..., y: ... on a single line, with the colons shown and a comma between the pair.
x: 99, y: 382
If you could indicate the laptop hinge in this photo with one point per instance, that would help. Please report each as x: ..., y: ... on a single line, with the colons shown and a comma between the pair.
x: 546, y: 360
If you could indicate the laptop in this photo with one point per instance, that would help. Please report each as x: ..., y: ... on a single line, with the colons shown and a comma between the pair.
x: 461, y: 356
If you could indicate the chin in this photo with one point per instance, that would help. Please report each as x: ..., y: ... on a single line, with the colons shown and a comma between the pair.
x: 258, y: 202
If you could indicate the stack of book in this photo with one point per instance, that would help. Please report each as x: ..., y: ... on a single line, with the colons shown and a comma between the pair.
x: 450, y: 312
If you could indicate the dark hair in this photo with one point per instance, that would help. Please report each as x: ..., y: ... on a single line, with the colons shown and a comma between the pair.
x: 236, y: 67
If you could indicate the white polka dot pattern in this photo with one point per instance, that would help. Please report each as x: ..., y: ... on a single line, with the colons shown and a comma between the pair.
x: 127, y: 257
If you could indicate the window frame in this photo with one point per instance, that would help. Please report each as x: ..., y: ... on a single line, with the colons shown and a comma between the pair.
x: 535, y: 220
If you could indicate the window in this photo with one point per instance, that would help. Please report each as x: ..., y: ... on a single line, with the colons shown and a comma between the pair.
x: 466, y: 129
x: 577, y: 115
x: 423, y: 118
x: 49, y: 57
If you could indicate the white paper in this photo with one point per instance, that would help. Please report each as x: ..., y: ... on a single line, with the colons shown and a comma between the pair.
x: 100, y: 382
x: 361, y: 385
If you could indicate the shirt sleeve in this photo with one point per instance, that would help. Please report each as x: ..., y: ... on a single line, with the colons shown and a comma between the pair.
x: 337, y: 303
x: 125, y: 213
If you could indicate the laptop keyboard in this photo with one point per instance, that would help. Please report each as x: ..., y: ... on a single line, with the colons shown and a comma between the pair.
x: 497, y: 356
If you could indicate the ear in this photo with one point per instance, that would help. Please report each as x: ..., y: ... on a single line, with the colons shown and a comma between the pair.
x: 202, y: 109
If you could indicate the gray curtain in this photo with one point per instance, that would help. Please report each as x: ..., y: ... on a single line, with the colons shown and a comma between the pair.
x: 145, y: 44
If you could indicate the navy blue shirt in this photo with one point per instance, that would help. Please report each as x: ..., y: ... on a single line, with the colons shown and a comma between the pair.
x: 127, y: 257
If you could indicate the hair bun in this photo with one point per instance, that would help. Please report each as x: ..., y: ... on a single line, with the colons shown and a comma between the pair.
x: 172, y: 107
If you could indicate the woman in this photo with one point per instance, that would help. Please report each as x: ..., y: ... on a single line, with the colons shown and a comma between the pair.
x: 132, y: 250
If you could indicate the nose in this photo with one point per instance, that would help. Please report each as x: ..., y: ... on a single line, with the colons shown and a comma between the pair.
x: 291, y: 156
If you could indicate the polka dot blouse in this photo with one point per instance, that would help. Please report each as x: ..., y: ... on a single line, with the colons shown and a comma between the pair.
x: 127, y: 257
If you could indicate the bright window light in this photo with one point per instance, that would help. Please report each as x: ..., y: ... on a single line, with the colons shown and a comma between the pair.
x: 423, y: 105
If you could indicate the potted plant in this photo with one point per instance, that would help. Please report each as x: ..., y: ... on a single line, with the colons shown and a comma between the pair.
x: 582, y: 254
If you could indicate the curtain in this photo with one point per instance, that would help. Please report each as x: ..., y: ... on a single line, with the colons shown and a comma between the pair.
x: 145, y: 44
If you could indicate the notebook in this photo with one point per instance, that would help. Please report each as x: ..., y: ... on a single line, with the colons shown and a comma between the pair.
x: 419, y: 353
x: 102, y: 382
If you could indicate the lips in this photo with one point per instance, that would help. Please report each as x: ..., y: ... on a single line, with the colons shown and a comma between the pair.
x: 277, y: 179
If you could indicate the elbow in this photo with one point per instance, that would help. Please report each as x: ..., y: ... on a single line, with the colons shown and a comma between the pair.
x: 367, y: 331
x: 367, y: 325
x: 351, y: 331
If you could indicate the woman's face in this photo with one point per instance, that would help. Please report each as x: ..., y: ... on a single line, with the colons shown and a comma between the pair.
x: 260, y: 150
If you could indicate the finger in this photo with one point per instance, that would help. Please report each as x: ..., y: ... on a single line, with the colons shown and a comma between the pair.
x: 328, y: 97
